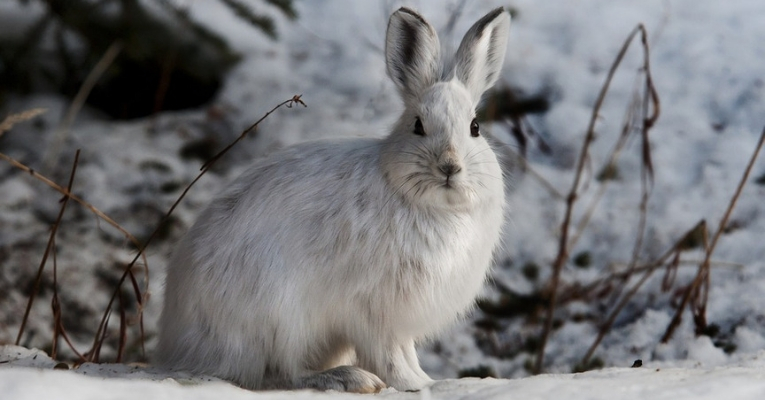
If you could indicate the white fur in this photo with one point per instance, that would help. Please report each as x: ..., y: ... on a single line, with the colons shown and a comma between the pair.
x: 348, y: 251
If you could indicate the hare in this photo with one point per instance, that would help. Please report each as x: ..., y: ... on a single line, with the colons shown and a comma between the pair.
x: 323, y: 264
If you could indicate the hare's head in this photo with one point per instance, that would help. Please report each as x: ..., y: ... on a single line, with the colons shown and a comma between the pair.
x: 436, y: 155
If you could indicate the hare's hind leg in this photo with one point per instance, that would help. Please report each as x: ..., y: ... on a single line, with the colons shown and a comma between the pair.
x: 396, y: 364
x: 344, y: 378
x: 410, y: 355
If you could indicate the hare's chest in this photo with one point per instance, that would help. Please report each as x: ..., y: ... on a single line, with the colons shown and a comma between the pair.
x: 463, y: 244
x: 441, y: 272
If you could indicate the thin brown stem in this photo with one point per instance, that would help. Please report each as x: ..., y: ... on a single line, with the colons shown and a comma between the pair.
x: 101, y: 331
x: 647, y: 273
x: 14, y: 119
x: 79, y: 100
x: 123, y: 329
x: 48, y: 249
x: 55, y: 306
x: 563, y: 249
x: 70, y: 195
x: 650, y: 102
x: 627, y: 127
x: 704, y: 267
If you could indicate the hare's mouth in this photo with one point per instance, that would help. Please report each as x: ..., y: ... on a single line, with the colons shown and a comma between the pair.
x: 452, y: 182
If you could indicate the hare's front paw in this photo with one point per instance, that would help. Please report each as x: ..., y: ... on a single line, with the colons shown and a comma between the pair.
x: 410, y: 384
x: 345, y: 378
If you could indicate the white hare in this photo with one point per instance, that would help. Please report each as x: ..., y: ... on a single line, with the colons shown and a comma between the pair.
x: 325, y: 263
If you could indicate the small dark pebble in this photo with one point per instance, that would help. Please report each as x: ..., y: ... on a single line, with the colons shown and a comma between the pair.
x: 481, y: 371
x: 637, y: 364
x: 61, y: 365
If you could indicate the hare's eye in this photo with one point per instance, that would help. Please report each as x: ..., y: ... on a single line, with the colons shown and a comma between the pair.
x: 418, y: 129
x: 474, y: 128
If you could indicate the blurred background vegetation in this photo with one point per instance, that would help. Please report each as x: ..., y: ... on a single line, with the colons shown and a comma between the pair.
x: 165, y: 60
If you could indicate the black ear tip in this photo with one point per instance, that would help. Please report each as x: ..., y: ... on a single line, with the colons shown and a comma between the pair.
x: 411, y: 12
x: 495, y: 13
x: 487, y: 19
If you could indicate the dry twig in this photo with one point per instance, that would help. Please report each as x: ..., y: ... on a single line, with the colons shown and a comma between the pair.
x: 48, y: 249
x: 14, y: 119
x: 4, y: 126
x: 100, y: 336
x: 79, y: 100
x: 72, y: 196
x: 698, y: 289
x: 563, y: 243
x: 670, y: 259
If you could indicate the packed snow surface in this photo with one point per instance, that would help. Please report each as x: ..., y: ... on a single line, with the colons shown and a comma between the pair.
x: 31, y: 376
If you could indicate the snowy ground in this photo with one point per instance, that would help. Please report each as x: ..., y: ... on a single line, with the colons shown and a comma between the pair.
x: 707, y: 59
x: 742, y: 380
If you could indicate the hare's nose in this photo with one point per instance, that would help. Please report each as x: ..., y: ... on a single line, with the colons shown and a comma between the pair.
x: 449, y: 169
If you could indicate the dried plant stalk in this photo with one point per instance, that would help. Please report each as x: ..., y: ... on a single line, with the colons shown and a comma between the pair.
x: 48, y: 249
x: 94, y: 353
x: 14, y: 119
x: 563, y: 243
x: 702, y: 277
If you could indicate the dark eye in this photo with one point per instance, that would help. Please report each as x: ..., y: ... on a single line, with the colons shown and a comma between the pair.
x: 474, y: 128
x: 418, y: 129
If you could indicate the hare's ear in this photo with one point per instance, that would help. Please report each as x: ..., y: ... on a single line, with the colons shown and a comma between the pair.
x: 482, y: 51
x: 412, y: 53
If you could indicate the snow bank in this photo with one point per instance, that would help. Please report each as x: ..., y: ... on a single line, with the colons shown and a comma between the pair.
x: 29, y: 374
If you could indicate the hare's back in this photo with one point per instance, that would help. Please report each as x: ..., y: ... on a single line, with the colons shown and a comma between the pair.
x: 298, y: 193
x: 301, y: 174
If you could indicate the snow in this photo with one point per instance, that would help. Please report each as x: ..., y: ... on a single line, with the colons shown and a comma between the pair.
x: 30, y: 376
x: 707, y: 60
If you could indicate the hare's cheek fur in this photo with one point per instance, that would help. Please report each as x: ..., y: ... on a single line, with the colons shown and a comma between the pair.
x: 423, y: 184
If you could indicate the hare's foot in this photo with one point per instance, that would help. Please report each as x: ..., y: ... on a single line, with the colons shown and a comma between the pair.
x: 343, y: 379
x: 397, y: 366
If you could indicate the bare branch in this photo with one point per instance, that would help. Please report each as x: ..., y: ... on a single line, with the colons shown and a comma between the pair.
x: 703, y: 273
